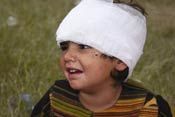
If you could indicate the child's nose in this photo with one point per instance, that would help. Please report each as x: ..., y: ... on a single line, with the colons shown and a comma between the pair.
x: 70, y: 55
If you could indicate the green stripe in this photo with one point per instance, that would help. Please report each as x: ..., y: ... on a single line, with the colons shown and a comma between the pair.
x: 64, y: 90
x: 70, y: 105
x: 74, y: 110
x: 130, y: 86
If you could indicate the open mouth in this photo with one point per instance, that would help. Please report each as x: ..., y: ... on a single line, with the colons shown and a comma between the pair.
x: 74, y: 71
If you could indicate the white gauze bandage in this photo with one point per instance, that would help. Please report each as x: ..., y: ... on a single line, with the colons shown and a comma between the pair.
x: 114, y: 29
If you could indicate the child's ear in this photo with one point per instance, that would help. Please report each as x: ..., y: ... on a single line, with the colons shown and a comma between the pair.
x: 120, y: 66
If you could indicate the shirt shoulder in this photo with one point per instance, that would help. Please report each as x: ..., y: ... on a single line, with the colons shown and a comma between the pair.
x: 154, y: 104
x: 133, y: 89
x: 59, y: 90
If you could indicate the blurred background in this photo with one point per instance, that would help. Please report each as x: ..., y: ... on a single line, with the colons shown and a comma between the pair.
x: 29, y: 56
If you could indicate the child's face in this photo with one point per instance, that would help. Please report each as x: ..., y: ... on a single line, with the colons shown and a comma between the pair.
x: 85, y: 68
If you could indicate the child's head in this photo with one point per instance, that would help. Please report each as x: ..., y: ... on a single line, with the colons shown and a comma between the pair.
x: 116, y: 30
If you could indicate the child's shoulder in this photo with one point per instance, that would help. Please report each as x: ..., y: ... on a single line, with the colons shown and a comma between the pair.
x: 134, y: 84
x: 133, y: 88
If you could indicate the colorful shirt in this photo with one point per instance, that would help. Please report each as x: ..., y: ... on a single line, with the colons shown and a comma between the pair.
x: 62, y: 101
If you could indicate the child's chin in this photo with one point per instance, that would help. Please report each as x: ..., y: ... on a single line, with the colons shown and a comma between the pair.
x: 75, y: 85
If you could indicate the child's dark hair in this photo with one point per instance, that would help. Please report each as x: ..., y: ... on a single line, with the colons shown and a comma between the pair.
x: 133, y: 5
x: 118, y: 76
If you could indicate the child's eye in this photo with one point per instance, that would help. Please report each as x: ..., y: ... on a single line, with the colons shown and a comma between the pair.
x: 84, y: 46
x: 64, y: 46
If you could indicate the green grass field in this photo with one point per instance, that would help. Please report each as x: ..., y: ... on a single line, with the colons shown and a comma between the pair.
x: 29, y: 56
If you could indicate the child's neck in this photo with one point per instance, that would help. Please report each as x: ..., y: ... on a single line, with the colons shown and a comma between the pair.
x: 101, y: 100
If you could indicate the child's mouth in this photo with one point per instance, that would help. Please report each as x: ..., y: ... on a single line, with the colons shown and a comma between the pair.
x: 74, y: 71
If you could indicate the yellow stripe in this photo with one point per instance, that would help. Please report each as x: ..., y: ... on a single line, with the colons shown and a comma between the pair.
x: 62, y: 106
x: 127, y: 105
x: 151, y: 102
x: 131, y: 101
x: 148, y: 110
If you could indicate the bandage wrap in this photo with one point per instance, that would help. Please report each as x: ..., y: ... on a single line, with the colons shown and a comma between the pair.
x: 114, y: 29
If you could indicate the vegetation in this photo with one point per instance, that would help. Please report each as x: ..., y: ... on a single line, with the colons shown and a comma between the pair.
x: 29, y: 56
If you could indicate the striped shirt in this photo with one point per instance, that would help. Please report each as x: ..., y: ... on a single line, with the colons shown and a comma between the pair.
x: 62, y: 101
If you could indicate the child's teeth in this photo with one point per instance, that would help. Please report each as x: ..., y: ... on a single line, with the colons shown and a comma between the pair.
x: 72, y: 70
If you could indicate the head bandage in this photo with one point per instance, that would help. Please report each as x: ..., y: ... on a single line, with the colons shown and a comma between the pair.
x: 114, y: 29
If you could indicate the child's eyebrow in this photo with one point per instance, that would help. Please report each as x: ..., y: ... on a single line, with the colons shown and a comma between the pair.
x: 64, y: 42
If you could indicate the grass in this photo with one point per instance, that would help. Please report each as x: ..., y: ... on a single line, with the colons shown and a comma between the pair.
x: 29, y: 56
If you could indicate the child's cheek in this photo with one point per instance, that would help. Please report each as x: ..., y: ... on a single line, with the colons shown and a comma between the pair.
x: 95, y: 54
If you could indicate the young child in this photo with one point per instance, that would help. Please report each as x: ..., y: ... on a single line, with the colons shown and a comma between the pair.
x: 101, y: 42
